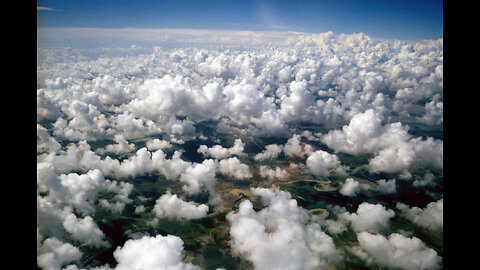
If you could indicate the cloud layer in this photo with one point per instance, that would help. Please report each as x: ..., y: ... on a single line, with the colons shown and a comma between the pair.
x: 398, y: 251
x: 279, y: 236
x: 155, y: 132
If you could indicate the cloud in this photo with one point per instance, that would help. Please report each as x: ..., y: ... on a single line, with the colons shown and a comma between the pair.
x: 271, y: 152
x: 53, y: 254
x: 244, y: 101
x: 427, y: 180
x: 276, y: 173
x: 234, y: 168
x: 334, y: 227
x: 433, y: 113
x: 300, y: 104
x: 349, y: 92
x: 395, y: 150
x: 46, y: 106
x: 387, y: 186
x: 81, y: 157
x: 369, y: 217
x: 293, y: 147
x: 159, y: 252
x: 157, y: 144
x: 199, y: 176
x: 171, y: 207
x: 40, y: 8
x: 199, y: 37
x: 269, y: 124
x: 350, y: 188
x: 162, y: 98
x: 121, y: 147
x: 360, y: 136
x: 114, y: 207
x: 244, y: 87
x: 322, y: 163
x: 79, y: 191
x: 430, y: 217
x: 398, y: 251
x: 85, y: 230
x: 67, y: 202
x: 45, y: 142
x: 278, y: 236
x: 180, y: 127
x: 219, y: 152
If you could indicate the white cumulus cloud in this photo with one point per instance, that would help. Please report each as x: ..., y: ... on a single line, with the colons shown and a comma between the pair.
x: 398, y: 251
x: 278, y: 236
x: 159, y: 252
x: 171, y: 207
x: 234, y: 168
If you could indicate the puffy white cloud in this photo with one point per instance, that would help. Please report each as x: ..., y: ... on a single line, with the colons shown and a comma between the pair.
x: 395, y: 150
x: 45, y: 142
x: 244, y: 101
x: 126, y: 123
x: 268, y: 194
x: 121, y: 147
x: 199, y: 176
x: 46, y: 106
x: 271, y: 152
x: 285, y: 73
x: 219, y: 152
x: 159, y: 252
x: 398, y: 251
x: 141, y: 163
x: 169, y: 96
x: 234, y: 168
x: 393, y: 160
x: 431, y: 217
x: 79, y: 191
x: 80, y: 157
x: 171, y: 207
x: 157, y: 144
x: 278, y: 236
x: 369, y: 217
x: 360, y: 136
x: 350, y: 188
x: 114, y: 207
x: 85, y: 230
x: 433, y: 113
x: 65, y: 203
x: 293, y: 147
x: 427, y: 180
x: 84, y: 122
x: 268, y: 124
x: 171, y: 168
x: 180, y: 127
x: 111, y: 90
x: 122, y: 190
x: 142, y: 92
x: 334, y: 226
x: 322, y: 163
x: 322, y: 247
x: 262, y: 89
x: 300, y: 104
x: 53, y: 254
x: 276, y: 173
x: 75, y: 157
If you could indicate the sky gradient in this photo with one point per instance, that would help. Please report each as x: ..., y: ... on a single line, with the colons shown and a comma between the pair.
x: 407, y: 19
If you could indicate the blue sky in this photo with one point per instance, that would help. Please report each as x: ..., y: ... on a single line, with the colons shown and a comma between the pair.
x: 407, y: 19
